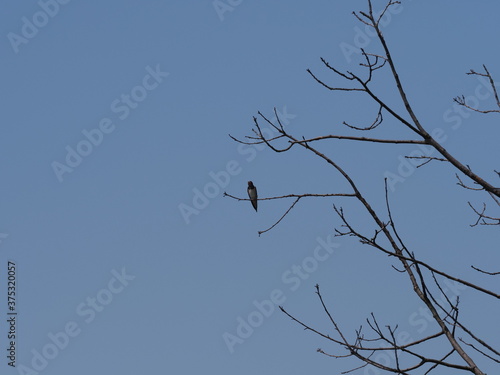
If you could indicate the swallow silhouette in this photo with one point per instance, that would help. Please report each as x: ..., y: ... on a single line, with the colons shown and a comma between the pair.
x: 252, y: 194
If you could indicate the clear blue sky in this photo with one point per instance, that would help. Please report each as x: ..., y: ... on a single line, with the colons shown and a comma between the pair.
x: 147, y: 92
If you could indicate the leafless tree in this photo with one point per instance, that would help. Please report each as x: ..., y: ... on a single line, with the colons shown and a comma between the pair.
x: 459, y: 344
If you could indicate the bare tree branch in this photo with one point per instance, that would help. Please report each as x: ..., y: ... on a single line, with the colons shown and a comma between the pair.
x: 461, y: 100
x: 382, y: 234
x: 486, y: 272
x: 362, y: 139
x: 378, y: 120
x: 427, y: 159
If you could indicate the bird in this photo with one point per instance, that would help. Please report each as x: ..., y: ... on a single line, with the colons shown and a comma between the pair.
x: 252, y: 194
